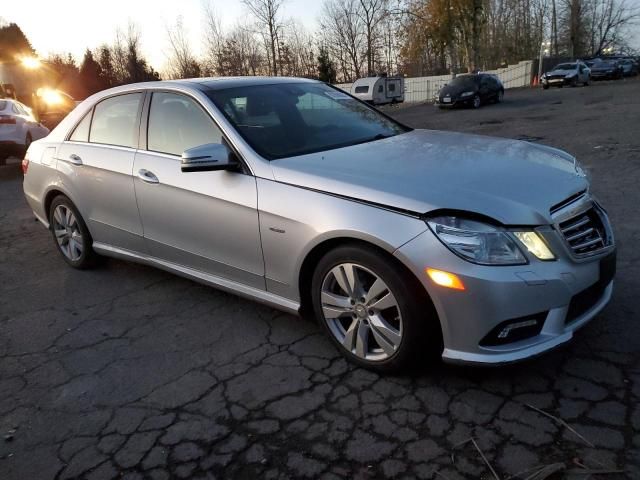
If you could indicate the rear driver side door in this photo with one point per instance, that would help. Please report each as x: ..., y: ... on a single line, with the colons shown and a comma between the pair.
x: 207, y: 221
x: 95, y: 164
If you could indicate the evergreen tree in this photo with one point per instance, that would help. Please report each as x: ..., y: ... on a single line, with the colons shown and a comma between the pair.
x: 326, y: 68
x: 91, y: 77
x: 13, y: 43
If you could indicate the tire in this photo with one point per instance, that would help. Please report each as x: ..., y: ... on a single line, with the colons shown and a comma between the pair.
x: 545, y: 86
x: 586, y: 83
x: 477, y: 102
x: 70, y: 234
x: 400, y: 327
x: 500, y: 96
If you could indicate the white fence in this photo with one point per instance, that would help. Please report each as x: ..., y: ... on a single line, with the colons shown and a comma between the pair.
x: 421, y: 89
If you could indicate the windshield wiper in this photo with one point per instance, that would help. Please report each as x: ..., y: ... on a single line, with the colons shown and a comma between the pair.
x: 379, y: 136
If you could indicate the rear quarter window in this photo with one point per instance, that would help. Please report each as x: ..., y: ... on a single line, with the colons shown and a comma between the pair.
x: 362, y: 89
x: 81, y: 132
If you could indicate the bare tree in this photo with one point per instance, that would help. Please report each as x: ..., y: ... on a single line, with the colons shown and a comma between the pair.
x: 372, y: 12
x: 609, y: 18
x: 344, y: 35
x: 213, y: 39
x: 181, y: 62
x: 266, y: 14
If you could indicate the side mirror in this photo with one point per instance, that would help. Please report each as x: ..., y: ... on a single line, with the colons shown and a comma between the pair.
x: 207, y: 158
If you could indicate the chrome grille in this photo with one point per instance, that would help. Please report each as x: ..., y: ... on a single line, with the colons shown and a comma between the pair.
x: 585, y: 233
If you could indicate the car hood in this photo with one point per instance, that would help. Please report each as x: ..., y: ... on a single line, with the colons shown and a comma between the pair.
x: 514, y: 182
x: 561, y: 73
x: 456, y: 90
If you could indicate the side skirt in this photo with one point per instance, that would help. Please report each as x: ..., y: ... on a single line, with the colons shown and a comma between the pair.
x: 230, y: 286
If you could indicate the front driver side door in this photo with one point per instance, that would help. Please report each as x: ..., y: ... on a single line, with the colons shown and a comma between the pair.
x: 207, y: 221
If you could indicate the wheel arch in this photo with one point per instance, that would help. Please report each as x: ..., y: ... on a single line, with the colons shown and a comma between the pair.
x: 50, y: 194
x: 314, y: 255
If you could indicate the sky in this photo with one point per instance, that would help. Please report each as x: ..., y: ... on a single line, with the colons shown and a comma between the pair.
x: 60, y: 26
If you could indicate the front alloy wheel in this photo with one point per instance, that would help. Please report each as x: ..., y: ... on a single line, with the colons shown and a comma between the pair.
x: 476, y: 101
x: 361, y: 312
x: 376, y: 312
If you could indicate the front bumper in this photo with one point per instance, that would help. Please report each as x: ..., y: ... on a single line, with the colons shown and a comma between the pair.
x: 453, y: 102
x: 557, y: 81
x: 603, y: 75
x: 496, y: 295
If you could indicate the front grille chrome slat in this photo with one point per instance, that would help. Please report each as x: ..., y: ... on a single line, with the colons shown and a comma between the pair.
x: 585, y: 233
x: 589, y: 243
x: 583, y: 221
x: 579, y: 235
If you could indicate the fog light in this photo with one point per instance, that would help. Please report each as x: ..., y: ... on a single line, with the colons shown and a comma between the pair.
x: 445, y: 279
x: 504, y: 333
x: 514, y: 330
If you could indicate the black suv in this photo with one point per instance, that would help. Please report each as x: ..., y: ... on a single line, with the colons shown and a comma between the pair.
x: 471, y: 90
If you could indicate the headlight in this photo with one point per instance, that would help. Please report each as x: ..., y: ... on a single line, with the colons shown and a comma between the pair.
x: 466, y: 94
x: 477, y: 242
x: 535, y: 245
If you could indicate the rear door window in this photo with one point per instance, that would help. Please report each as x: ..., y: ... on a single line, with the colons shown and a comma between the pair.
x: 115, y: 121
x: 178, y: 123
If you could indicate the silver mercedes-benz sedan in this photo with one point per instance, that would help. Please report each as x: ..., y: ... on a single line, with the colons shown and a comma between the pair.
x: 405, y: 244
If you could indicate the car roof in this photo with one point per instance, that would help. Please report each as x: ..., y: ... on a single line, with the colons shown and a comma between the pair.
x: 220, y: 83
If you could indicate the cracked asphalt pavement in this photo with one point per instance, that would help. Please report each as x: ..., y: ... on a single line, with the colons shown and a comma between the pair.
x: 127, y: 371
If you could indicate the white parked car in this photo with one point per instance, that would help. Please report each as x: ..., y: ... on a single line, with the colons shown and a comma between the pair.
x: 18, y: 128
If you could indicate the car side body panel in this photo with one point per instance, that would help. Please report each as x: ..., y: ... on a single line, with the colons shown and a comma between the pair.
x: 102, y: 189
x: 294, y: 220
x: 204, y: 220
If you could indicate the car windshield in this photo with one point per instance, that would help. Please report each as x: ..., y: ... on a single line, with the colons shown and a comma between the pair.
x: 463, y: 81
x: 566, y: 66
x: 290, y: 119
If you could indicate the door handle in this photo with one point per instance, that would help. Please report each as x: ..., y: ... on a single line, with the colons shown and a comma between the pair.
x: 74, y: 159
x: 147, y: 176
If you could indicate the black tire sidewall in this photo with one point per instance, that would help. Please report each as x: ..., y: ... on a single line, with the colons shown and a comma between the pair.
x: 87, y: 258
x: 418, y: 322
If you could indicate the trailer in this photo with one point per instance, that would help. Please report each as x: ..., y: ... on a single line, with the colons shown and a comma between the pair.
x: 379, y: 90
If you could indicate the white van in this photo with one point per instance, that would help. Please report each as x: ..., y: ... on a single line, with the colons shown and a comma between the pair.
x: 379, y: 90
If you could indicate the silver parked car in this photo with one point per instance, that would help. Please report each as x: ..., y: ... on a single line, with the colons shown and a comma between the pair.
x: 405, y: 244
x: 567, y: 74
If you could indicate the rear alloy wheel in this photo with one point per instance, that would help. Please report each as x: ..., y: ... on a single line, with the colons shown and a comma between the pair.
x: 372, y: 312
x: 476, y: 101
x: 70, y: 234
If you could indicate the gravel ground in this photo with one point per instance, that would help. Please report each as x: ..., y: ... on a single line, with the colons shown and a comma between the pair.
x: 129, y: 371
